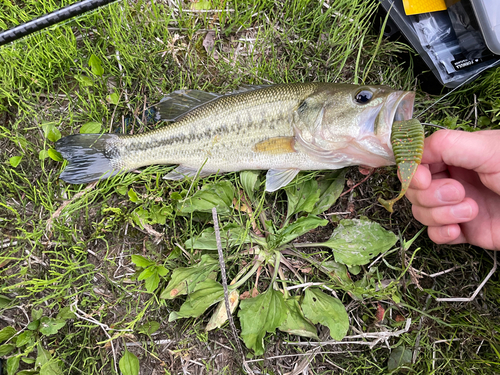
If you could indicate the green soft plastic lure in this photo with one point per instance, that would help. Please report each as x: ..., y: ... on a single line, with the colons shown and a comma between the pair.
x: 407, y: 140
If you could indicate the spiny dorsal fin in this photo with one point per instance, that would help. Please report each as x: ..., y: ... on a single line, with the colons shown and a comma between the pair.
x: 176, y: 104
x: 276, y: 145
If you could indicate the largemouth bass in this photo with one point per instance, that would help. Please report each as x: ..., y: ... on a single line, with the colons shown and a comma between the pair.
x: 281, y: 128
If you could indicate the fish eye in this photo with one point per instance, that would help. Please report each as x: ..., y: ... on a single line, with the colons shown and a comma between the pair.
x: 363, y: 96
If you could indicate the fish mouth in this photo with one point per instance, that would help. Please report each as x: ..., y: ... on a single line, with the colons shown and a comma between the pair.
x: 398, y: 107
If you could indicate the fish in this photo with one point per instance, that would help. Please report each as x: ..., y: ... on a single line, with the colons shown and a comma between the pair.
x: 283, y: 128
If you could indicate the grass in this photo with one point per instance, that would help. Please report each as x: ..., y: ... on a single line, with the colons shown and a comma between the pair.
x: 68, y: 246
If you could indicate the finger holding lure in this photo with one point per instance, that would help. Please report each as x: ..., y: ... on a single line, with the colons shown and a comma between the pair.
x: 282, y: 129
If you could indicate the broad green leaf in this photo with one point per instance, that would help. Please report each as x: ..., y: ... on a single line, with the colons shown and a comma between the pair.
x: 49, y: 326
x: 28, y: 360
x: 6, y: 333
x: 319, y: 307
x: 25, y: 338
x: 302, y: 197
x: 295, y: 322
x: 13, y: 364
x: 152, y: 282
x: 141, y: 261
x: 15, y: 160
x: 95, y: 65
x: 148, y: 327
x: 330, y: 188
x: 114, y: 98
x: 219, y: 195
x: 28, y: 372
x: 356, y: 241
x: 6, y: 349
x: 52, y: 367
x: 296, y: 229
x: 65, y: 313
x: 219, y: 316
x: 399, y: 357
x: 337, y: 271
x: 43, y: 355
x: 43, y: 154
x: 51, y: 132
x: 259, y: 315
x: 122, y: 189
x: 90, y: 128
x: 36, y: 314
x: 231, y: 235
x: 133, y: 196
x: 201, y: 5
x: 54, y: 155
x: 84, y: 80
x: 250, y: 181
x: 129, y: 364
x: 185, y: 279
x: 206, y: 294
x: 33, y: 326
x: 4, y: 301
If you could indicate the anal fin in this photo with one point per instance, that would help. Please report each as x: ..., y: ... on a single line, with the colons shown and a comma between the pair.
x: 277, y: 178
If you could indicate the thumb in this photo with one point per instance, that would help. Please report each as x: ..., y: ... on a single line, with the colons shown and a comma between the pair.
x: 478, y: 151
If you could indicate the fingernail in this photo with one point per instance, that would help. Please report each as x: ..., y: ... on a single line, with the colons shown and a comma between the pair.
x: 448, y: 193
x: 445, y: 231
x: 462, y: 211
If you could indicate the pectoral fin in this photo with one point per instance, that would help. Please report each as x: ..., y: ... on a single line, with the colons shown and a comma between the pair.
x: 276, y: 145
x: 277, y: 178
x: 407, y: 140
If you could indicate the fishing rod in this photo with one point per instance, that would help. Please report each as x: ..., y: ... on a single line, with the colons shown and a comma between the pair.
x: 50, y: 19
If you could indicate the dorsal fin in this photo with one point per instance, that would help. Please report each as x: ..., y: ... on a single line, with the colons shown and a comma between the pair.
x: 176, y: 104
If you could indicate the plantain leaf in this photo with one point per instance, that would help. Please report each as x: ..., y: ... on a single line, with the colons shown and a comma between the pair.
x: 206, y: 294
x: 250, y: 181
x: 302, y: 197
x: 319, y: 307
x: 52, y: 367
x: 356, y: 241
x: 231, y: 234
x: 259, y: 315
x: 129, y: 364
x: 219, y: 195
x: 295, y: 322
x: 296, y: 229
x: 219, y: 316
x: 185, y: 279
x: 330, y: 188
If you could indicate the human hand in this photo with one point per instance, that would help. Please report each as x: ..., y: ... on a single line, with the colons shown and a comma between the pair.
x: 456, y: 189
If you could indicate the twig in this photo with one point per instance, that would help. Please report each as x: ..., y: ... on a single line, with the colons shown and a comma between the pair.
x: 471, y: 298
x: 224, y: 285
x: 378, y: 336
x: 155, y: 342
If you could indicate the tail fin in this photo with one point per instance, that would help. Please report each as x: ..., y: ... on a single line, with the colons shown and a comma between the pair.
x: 91, y: 157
